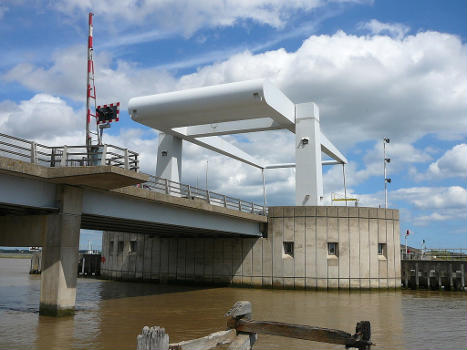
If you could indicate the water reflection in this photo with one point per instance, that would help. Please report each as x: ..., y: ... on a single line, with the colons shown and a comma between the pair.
x: 110, y: 314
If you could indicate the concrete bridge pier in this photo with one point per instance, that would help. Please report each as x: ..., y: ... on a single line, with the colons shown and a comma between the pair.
x: 60, y: 254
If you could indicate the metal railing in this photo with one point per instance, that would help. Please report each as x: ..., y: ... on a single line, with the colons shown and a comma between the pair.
x: 177, y: 189
x: 436, y: 254
x: 71, y: 156
x: 66, y: 156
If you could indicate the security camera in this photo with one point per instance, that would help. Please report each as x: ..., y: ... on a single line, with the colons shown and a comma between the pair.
x: 387, y: 140
x: 388, y: 160
x: 388, y: 181
x: 305, y: 141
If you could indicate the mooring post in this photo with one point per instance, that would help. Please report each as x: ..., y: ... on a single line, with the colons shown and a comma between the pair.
x: 416, y: 276
x: 451, y: 282
x: 428, y: 276
x: 462, y: 277
x: 406, y: 275
x: 153, y: 338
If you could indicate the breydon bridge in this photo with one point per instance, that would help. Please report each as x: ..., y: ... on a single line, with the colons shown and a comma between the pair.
x: 47, y: 194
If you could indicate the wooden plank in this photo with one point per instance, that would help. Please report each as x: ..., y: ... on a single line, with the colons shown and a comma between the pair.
x: 318, y: 334
x: 211, y: 341
x: 243, y: 341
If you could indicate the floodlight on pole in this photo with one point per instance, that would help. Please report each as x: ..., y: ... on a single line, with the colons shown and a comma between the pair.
x: 386, y: 179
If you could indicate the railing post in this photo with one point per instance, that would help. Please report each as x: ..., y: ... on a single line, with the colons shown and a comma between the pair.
x: 127, y: 163
x: 239, y: 205
x: 189, y: 191
x: 103, y: 154
x: 33, y: 152
x: 166, y: 186
x: 225, y: 202
x: 64, y: 159
x: 208, y: 196
x: 252, y: 207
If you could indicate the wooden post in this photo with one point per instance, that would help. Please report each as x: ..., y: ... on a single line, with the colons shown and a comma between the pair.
x: 451, y: 282
x: 153, y: 338
x: 428, y: 277
x: 462, y: 277
x: 225, y: 202
x: 406, y: 274
x: 166, y: 186
x: 416, y: 276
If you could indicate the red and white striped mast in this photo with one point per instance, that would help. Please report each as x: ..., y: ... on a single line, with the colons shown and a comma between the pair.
x: 90, y: 88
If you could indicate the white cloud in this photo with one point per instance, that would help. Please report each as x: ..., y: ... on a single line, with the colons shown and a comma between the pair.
x: 40, y: 118
x: 452, y: 197
x: 397, y: 30
x: 368, y: 86
x: 3, y: 10
x: 189, y: 16
x: 453, y: 163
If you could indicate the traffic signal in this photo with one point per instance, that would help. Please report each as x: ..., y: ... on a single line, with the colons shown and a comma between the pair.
x: 108, y: 113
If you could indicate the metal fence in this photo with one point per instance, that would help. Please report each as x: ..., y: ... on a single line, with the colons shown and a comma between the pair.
x: 435, y: 254
x: 187, y: 191
x: 66, y: 156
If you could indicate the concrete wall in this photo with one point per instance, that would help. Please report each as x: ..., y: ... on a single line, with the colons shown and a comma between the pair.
x: 262, y: 262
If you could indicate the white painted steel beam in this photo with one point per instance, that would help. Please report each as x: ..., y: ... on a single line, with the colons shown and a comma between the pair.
x: 229, y: 128
x: 244, y: 100
x: 293, y: 165
x: 201, y: 115
x: 308, y: 170
x: 328, y: 148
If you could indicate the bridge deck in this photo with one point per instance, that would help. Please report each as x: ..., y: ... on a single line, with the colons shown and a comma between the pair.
x: 112, y: 202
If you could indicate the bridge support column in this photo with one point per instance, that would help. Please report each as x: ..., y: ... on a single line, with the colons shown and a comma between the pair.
x: 60, y: 255
x: 169, y: 157
x: 308, y: 171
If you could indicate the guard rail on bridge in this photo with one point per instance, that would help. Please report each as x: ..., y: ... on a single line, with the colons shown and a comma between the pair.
x: 66, y: 156
x: 187, y: 191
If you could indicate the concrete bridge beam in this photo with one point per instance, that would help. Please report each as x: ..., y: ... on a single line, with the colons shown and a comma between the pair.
x: 60, y: 255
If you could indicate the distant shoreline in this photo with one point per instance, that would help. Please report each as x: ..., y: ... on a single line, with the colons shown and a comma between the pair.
x: 15, y: 256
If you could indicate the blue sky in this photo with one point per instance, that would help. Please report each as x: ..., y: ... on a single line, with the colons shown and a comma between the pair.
x: 376, y: 69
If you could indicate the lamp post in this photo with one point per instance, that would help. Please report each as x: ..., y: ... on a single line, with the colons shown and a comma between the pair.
x: 386, y: 179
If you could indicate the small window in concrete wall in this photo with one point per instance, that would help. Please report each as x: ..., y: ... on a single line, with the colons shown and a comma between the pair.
x: 120, y: 247
x: 288, y: 249
x: 333, y: 248
x: 382, y: 249
x: 132, y: 248
x: 111, y: 248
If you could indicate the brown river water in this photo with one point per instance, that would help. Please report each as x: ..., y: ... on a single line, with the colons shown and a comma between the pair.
x: 110, y: 314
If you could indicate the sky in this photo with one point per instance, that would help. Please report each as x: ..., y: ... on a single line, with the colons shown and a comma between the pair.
x: 375, y: 68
